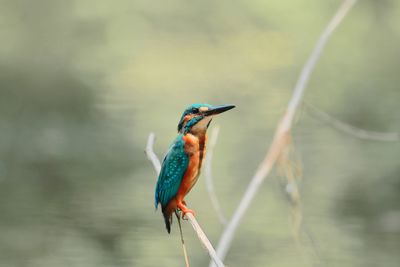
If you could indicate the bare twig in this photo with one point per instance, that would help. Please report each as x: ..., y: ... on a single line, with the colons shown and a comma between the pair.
x: 209, y: 177
x: 150, y: 153
x: 290, y: 169
x: 182, y: 240
x: 351, y: 130
x: 281, y: 137
x: 204, y: 240
x: 196, y: 227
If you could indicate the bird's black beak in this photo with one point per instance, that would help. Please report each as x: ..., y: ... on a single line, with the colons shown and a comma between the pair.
x: 218, y: 109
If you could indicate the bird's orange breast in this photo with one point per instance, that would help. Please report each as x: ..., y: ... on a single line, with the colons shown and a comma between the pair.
x: 194, y: 148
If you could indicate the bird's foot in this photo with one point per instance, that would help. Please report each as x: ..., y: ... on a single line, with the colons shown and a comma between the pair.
x: 184, y: 209
x: 188, y: 211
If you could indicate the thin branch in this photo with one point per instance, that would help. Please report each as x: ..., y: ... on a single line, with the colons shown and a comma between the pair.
x: 185, y: 255
x: 282, y: 134
x: 209, y: 177
x: 290, y: 169
x: 351, y: 130
x: 196, y: 227
x: 150, y: 153
x: 204, y: 240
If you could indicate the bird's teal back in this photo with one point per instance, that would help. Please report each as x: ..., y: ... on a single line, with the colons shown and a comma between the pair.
x: 173, y: 168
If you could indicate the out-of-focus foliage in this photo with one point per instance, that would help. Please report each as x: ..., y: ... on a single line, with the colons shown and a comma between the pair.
x: 82, y: 83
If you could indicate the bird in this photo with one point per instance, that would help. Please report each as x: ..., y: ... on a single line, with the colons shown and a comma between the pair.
x: 181, y: 166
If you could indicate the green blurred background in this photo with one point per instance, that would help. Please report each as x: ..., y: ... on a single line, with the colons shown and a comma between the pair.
x: 82, y: 83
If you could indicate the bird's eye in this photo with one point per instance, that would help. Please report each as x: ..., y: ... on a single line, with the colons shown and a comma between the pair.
x: 195, y: 110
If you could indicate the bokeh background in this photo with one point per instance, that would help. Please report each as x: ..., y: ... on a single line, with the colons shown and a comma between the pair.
x: 82, y: 83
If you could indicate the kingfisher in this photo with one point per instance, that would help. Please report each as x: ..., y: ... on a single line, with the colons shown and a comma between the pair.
x: 181, y: 166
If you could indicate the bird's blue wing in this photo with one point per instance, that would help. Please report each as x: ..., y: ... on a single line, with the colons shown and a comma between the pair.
x: 173, y: 168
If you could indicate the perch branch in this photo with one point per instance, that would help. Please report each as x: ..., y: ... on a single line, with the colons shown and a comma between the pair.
x: 282, y: 134
x: 351, y: 130
x: 196, y: 227
x: 204, y: 240
x: 185, y: 255
x: 209, y: 177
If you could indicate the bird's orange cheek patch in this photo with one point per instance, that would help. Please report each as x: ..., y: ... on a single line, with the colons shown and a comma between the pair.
x: 187, y: 118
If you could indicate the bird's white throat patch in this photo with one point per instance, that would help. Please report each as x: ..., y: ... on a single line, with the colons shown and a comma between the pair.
x: 201, y: 126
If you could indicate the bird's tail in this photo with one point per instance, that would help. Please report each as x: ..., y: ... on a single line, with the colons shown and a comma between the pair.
x: 167, y: 219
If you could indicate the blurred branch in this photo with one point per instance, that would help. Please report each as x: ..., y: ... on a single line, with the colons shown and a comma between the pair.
x: 150, y: 153
x: 290, y: 169
x: 196, y: 227
x: 351, y: 130
x: 209, y: 176
x: 282, y: 134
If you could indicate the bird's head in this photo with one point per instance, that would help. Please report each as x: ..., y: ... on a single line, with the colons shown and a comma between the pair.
x: 197, y: 117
